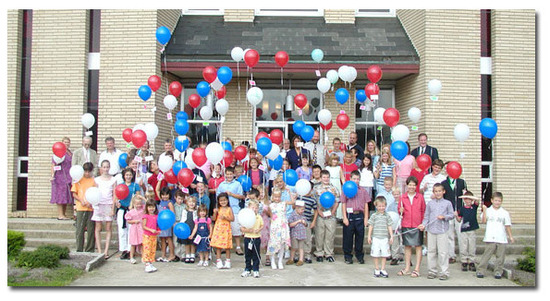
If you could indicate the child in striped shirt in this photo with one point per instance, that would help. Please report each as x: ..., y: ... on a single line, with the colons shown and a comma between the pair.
x: 380, y: 236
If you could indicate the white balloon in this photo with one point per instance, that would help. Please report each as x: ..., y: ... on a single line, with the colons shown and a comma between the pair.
x: 324, y: 116
x: 414, y: 114
x: 88, y: 120
x: 323, y: 84
x: 206, y: 113
x: 462, y: 132
x: 379, y: 114
x: 189, y: 159
x: 237, y: 54
x: 58, y: 160
x: 434, y: 86
x: 151, y: 130
x: 76, y: 172
x: 274, y: 152
x: 343, y: 73
x: 254, y: 95
x: 139, y: 126
x: 216, y: 84
x: 247, y: 218
x: 400, y: 133
x: 214, y: 152
x: 352, y: 74
x: 222, y: 106
x: 93, y: 195
x: 332, y: 76
x: 170, y: 101
x: 165, y: 163
x: 303, y: 187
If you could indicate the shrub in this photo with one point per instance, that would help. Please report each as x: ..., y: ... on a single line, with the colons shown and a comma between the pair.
x: 528, y: 263
x: 16, y: 242
x: 62, y: 252
x: 35, y: 259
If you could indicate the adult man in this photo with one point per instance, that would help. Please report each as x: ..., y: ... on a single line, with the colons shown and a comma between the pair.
x: 353, y: 144
x: 111, y: 154
x: 424, y: 148
x: 316, y: 150
x: 286, y: 147
x: 85, y: 154
x: 169, y: 147
x: 454, y: 189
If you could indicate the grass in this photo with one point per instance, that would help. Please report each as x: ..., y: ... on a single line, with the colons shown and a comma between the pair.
x: 60, y: 276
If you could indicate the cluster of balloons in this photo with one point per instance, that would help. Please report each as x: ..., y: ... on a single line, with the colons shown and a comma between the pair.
x: 140, y: 134
x: 303, y: 130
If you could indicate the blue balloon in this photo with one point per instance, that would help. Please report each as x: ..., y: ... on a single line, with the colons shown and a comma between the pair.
x: 166, y: 219
x: 327, y: 199
x: 227, y: 146
x: 163, y: 35
x: 122, y: 160
x: 181, y: 126
x: 399, y: 150
x: 290, y: 177
x: 246, y: 182
x: 488, y: 128
x: 350, y: 189
x: 177, y: 166
x: 342, y: 95
x: 182, y: 115
x: 182, y: 230
x: 225, y: 75
x: 181, y: 143
x: 317, y: 55
x: 203, y: 88
x: 298, y: 126
x: 307, y: 133
x: 277, y: 163
x: 360, y: 95
x: 144, y: 92
x: 264, y: 146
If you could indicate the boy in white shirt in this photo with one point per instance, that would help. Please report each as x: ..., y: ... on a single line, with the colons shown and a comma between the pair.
x: 427, y: 185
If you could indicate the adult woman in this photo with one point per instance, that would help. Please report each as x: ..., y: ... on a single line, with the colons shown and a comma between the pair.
x: 373, y: 151
x: 294, y: 155
x: 61, y: 181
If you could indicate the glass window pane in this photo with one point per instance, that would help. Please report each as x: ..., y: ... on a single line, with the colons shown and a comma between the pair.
x: 273, y: 108
x: 385, y: 100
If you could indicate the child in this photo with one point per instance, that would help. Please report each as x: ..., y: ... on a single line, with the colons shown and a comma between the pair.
x: 356, y: 159
x: 279, y: 236
x: 129, y: 177
x: 234, y: 193
x: 189, y: 216
x: 310, y: 212
x: 179, y: 209
x: 266, y: 216
x: 255, y: 173
x: 355, y: 213
x: 367, y: 177
x: 221, y: 237
x: 304, y: 171
x: 298, y: 224
x: 252, y: 195
x: 84, y: 211
x: 336, y: 142
x: 397, y: 245
x: 252, y: 243
x: 325, y: 224
x: 380, y: 235
x: 427, y: 184
x: 498, y: 226
x: 202, y: 228
x: 384, y: 168
x: 348, y: 166
x: 166, y: 235
x: 335, y: 172
x: 201, y: 195
x: 315, y: 175
x: 467, y: 214
x: 104, y: 211
x: 134, y: 219
x: 153, y: 177
x: 215, y: 181
x: 150, y: 232
x: 436, y: 221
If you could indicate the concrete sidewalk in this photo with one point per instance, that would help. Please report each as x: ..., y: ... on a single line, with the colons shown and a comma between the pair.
x: 120, y: 273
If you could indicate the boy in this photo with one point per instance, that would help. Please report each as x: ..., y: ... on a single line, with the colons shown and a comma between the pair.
x: 310, y: 212
x: 454, y: 189
x: 336, y: 142
x: 84, y: 210
x: 467, y: 214
x: 297, y: 223
x: 355, y: 214
x: 179, y: 208
x: 252, y: 243
x: 391, y: 206
x: 252, y: 195
x: 315, y: 175
x: 436, y: 221
x: 235, y: 192
x: 428, y: 182
x: 498, y: 226
x: 202, y: 195
x: 326, y: 222
x: 380, y: 235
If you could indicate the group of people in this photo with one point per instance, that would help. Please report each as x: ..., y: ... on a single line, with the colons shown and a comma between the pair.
x: 433, y: 210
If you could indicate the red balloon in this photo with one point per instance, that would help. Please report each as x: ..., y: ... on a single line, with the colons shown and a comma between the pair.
x: 391, y: 117
x: 221, y: 92
x: 454, y: 169
x: 276, y: 136
x: 251, y: 58
x: 374, y: 73
x: 122, y: 191
x: 194, y: 100
x: 227, y: 158
x: 127, y: 135
x: 274, y: 116
x: 342, y: 121
x: 170, y: 177
x: 186, y: 177
x: 199, y: 156
x: 59, y: 149
x: 372, y: 89
x: 326, y: 127
x: 240, y: 152
x: 175, y: 88
x: 259, y: 112
x: 154, y: 82
x: 424, y: 162
x: 260, y: 135
x: 300, y: 100
x: 139, y: 138
x: 209, y: 73
x: 281, y: 58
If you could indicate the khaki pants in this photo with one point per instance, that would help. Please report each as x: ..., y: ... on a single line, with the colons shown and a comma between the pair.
x: 467, y: 246
x: 499, y: 250
x: 438, y: 254
x: 454, y: 231
x: 397, y: 246
x: 179, y: 249
x: 307, y: 243
x: 324, y: 236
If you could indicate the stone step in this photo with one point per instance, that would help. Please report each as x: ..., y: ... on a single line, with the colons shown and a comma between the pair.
x: 64, y: 242
x: 57, y: 234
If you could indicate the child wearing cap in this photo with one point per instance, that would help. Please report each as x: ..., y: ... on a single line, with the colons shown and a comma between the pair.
x: 467, y: 215
x: 298, y: 224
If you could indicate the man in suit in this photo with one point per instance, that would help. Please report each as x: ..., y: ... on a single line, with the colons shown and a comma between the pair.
x: 86, y: 154
x: 454, y: 189
x: 316, y: 150
x: 424, y: 148
x: 353, y: 144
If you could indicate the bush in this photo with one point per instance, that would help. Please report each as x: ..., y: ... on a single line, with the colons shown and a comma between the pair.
x: 62, y: 252
x: 528, y: 263
x: 16, y: 242
x: 36, y: 259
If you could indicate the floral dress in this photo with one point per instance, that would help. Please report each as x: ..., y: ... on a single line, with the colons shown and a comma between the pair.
x: 279, y: 233
x: 221, y: 235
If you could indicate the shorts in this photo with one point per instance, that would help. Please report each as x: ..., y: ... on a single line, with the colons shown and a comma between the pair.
x: 380, y: 247
x: 297, y: 244
x: 103, y: 213
x: 236, y: 228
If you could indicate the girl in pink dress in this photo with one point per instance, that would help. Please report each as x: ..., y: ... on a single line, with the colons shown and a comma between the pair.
x: 133, y: 218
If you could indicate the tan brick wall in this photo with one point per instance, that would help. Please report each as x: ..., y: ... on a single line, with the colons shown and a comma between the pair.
x: 343, y: 16
x: 513, y: 97
x: 238, y: 120
x: 238, y: 15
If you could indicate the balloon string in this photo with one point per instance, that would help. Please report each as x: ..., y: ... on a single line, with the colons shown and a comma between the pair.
x: 239, y: 81
x: 281, y: 76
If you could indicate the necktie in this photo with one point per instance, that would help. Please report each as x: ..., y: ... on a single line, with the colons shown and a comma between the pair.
x: 422, y: 150
x: 314, y: 154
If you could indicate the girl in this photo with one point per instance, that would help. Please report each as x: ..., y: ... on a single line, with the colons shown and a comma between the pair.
x: 367, y: 177
x: 188, y: 216
x: 304, y: 171
x: 403, y: 169
x: 255, y: 174
x: 134, y: 219
x: 203, y: 228
x: 105, y: 210
x: 61, y: 181
x: 221, y: 237
x: 286, y: 195
x: 153, y: 177
x: 128, y: 175
x: 373, y: 151
x: 279, y: 235
x: 166, y: 235
x: 266, y: 216
x: 150, y: 232
x: 384, y: 168
x: 215, y: 181
x: 335, y: 171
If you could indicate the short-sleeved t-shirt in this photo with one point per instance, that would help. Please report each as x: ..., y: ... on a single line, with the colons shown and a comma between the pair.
x: 469, y: 218
x: 151, y: 223
x: 80, y: 190
x: 133, y: 188
x: 380, y: 223
x: 497, y: 220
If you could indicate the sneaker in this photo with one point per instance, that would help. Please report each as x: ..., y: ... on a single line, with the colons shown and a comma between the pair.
x: 219, y: 264
x: 479, y: 275
x: 383, y: 274
x: 498, y: 276
x: 205, y: 264
x: 424, y: 251
x: 330, y: 259
x: 376, y: 273
x: 200, y: 263
x: 256, y: 274
x: 187, y: 260
x: 319, y: 259
x: 348, y: 261
x: 125, y: 255
x: 308, y: 260
x: 245, y: 273
x: 148, y: 268
x: 227, y: 264
x: 153, y: 267
x: 472, y: 267
x: 133, y: 261
x: 443, y: 277
x: 192, y: 260
x: 464, y: 267
x: 361, y: 261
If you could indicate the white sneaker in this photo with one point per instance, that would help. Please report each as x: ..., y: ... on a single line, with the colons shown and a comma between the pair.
x: 219, y: 264
x: 245, y: 273
x: 149, y: 268
x: 205, y: 264
x: 227, y: 264
x: 153, y: 267
x: 281, y: 267
x: 424, y: 251
x: 274, y: 265
x: 133, y: 261
x: 200, y: 263
x: 256, y: 274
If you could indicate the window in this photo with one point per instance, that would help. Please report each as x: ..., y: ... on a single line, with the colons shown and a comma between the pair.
x: 290, y: 12
x: 369, y: 129
x: 375, y: 13
x: 203, y: 11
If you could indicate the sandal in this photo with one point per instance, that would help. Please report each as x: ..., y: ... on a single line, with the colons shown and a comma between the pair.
x: 161, y: 259
x: 415, y: 274
x: 403, y: 273
x: 239, y: 251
